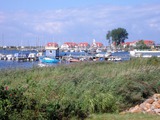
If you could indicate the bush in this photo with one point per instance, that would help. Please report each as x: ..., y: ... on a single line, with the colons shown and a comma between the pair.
x: 77, y: 89
x: 14, y: 105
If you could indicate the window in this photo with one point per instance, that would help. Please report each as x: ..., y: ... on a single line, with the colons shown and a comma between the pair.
x: 50, y: 51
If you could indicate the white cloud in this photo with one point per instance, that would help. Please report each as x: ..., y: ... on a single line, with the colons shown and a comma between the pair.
x: 86, y: 23
x: 50, y: 27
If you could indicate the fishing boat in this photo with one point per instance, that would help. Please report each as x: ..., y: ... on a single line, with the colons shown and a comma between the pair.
x: 51, y: 54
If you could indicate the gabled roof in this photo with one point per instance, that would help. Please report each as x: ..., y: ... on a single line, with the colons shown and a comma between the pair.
x: 52, y: 44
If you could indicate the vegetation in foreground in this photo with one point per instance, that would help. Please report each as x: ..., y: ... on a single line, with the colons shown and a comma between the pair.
x: 123, y: 117
x: 77, y: 89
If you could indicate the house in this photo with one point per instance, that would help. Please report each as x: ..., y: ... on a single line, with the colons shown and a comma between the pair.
x: 128, y: 44
x: 96, y: 44
x: 99, y: 44
x: 68, y: 45
x: 83, y: 45
x: 149, y: 42
x: 134, y: 43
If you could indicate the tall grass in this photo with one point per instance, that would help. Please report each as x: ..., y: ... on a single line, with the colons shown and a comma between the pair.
x: 83, y: 88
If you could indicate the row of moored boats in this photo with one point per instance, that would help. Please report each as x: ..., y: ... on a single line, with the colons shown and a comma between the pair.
x: 21, y: 56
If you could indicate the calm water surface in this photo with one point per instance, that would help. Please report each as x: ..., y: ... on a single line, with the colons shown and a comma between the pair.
x: 16, y: 64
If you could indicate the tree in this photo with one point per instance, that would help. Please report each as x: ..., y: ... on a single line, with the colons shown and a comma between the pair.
x: 118, y: 35
x: 108, y: 36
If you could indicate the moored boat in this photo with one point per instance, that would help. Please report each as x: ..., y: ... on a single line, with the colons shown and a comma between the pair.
x: 10, y: 57
x: 74, y: 60
x: 137, y: 53
x: 114, y: 58
x: 32, y: 57
x: 147, y: 56
x: 48, y: 60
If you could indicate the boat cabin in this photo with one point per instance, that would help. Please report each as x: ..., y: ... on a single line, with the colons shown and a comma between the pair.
x: 52, y: 50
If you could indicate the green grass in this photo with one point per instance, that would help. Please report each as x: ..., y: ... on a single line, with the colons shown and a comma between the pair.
x: 122, y: 117
x: 83, y: 89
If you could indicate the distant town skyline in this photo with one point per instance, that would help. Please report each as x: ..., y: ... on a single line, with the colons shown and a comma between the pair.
x: 36, y: 22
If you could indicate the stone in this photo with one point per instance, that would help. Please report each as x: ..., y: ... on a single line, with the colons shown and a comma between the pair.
x: 135, y: 109
x: 150, y: 106
x: 145, y: 106
x: 156, y: 96
x: 150, y: 111
x: 156, y: 105
x: 157, y: 110
x: 149, y: 101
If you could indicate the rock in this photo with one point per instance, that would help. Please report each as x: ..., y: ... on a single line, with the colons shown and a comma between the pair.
x: 150, y: 111
x: 145, y: 106
x: 157, y: 110
x: 150, y: 106
x: 156, y: 105
x: 135, y: 109
x: 149, y: 101
x: 156, y: 96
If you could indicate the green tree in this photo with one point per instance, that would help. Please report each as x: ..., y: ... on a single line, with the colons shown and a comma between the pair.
x: 118, y: 35
x: 108, y: 37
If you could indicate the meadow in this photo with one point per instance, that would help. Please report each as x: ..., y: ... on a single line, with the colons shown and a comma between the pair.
x: 78, y: 90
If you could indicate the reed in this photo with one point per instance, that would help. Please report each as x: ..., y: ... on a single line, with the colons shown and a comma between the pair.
x: 82, y: 89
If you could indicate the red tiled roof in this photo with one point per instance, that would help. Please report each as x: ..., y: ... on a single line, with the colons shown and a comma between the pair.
x: 148, y: 42
x: 52, y: 44
x: 71, y: 44
x: 99, y: 44
x: 84, y: 44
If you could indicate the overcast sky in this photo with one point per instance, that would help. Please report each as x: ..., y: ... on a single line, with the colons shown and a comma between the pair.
x: 36, y: 22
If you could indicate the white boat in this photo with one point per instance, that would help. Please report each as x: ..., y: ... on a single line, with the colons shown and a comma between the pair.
x: 146, y: 56
x: 114, y: 58
x: 136, y: 53
x: 39, y: 54
x: 100, y: 55
x: 72, y: 50
x: 9, y: 57
x: 98, y: 50
x: 106, y: 55
x: 2, y: 56
x: 42, y: 65
x: 32, y: 56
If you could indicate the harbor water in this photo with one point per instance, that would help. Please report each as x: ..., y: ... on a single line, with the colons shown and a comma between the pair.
x: 10, y: 64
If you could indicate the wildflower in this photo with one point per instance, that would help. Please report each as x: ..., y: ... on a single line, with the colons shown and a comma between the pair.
x: 6, y: 87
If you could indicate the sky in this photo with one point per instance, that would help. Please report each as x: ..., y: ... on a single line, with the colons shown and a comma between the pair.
x: 36, y: 22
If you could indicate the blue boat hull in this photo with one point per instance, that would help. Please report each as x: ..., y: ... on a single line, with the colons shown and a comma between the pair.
x: 48, y: 60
